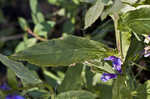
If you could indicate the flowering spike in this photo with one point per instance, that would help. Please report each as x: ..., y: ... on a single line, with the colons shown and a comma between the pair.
x: 106, y: 76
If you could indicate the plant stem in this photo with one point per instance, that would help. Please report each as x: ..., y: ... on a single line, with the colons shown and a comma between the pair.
x: 35, y: 35
x: 115, y: 18
x: 51, y: 90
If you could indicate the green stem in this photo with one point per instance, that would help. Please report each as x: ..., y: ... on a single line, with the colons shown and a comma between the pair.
x: 141, y: 67
x: 51, y: 91
x: 115, y: 18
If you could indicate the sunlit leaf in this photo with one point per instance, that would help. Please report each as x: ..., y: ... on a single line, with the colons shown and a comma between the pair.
x: 34, y: 5
x: 36, y: 14
x: 114, y: 8
x: 98, y: 65
x: 43, y: 28
x: 125, y: 36
x: 93, y: 13
x: 25, y: 44
x: 129, y: 1
x: 23, y: 23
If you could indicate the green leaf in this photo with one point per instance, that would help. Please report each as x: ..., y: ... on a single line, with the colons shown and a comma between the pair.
x: 25, y: 44
x: 138, y: 20
x: 120, y: 90
x: 142, y: 91
x: 99, y: 66
x: 12, y: 80
x: 80, y: 94
x: 63, y: 51
x: 55, y: 2
x: 40, y: 17
x: 38, y: 94
x: 129, y: 1
x: 88, y: 1
x: 97, y: 86
x: 93, y: 13
x: 23, y: 23
x: 133, y: 51
x: 127, y: 8
x: 36, y: 14
x: 75, y: 82
x: 106, y: 1
x: 114, y: 8
x: 104, y: 88
x: 43, y: 28
x: 21, y: 71
x: 34, y: 6
x: 125, y: 36
x: 88, y: 78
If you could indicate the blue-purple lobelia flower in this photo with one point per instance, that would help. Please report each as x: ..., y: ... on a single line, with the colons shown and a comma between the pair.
x: 14, y: 96
x: 4, y: 86
x: 116, y: 62
x: 106, y: 76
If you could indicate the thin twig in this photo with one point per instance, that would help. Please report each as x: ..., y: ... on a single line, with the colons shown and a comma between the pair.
x: 35, y: 35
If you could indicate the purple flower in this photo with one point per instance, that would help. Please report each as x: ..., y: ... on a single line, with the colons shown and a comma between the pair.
x: 4, y: 86
x: 106, y: 76
x: 116, y: 62
x: 14, y: 97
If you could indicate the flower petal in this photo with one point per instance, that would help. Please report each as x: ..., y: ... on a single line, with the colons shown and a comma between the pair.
x: 146, y: 55
x: 4, y: 86
x: 14, y: 97
x: 116, y: 62
x: 106, y: 76
x: 117, y: 68
x: 111, y: 58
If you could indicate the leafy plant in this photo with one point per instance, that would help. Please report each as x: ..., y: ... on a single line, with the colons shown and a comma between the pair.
x: 82, y: 67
